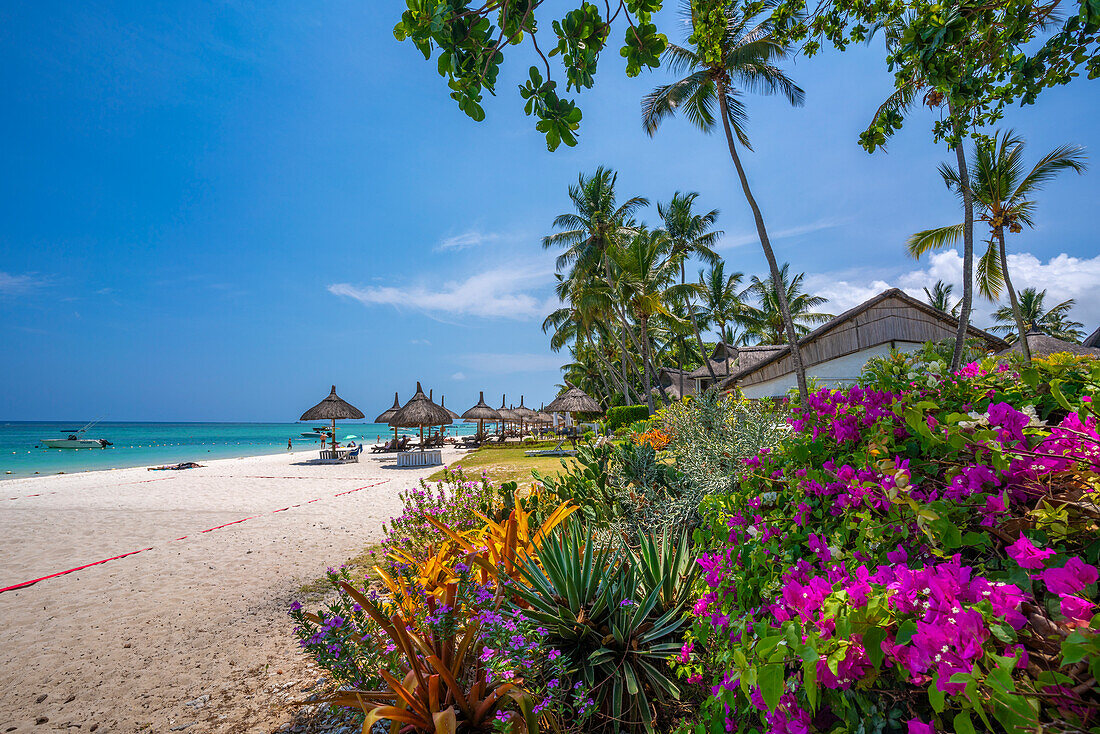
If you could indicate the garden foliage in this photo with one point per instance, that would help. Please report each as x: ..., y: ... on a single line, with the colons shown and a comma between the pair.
x: 624, y: 415
x: 920, y: 552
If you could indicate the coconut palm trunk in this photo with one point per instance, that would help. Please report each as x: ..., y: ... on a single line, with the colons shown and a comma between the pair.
x: 644, y: 320
x: 999, y: 233
x: 698, y: 336
x: 968, y: 257
x: 773, y: 266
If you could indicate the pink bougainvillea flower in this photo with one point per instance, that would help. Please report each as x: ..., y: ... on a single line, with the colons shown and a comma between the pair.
x: 1069, y: 579
x: 820, y: 547
x: 1077, y: 609
x: 897, y: 556
x: 916, y: 726
x: 1027, y: 555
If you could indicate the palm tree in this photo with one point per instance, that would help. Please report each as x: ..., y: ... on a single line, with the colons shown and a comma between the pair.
x: 643, y: 274
x: 742, y: 58
x: 597, y: 223
x: 1002, y: 190
x: 1032, y: 313
x: 940, y: 298
x: 765, y: 322
x: 587, y: 234
x: 690, y: 234
x: 721, y: 298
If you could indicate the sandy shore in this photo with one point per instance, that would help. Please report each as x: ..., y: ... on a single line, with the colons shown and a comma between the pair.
x: 191, y: 635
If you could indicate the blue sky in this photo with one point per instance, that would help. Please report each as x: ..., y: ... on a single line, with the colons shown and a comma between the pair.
x: 213, y: 215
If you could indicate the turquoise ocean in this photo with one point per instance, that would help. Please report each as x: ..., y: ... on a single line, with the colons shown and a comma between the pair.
x: 143, y: 444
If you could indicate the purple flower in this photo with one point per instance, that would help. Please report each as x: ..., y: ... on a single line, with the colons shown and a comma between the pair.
x: 916, y: 726
x: 1027, y: 555
x: 1077, y: 609
x: 820, y: 547
x: 1069, y: 579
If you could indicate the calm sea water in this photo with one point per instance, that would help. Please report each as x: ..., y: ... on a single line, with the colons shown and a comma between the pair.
x: 141, y: 444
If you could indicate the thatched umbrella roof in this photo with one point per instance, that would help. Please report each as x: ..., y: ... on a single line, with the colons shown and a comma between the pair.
x: 524, y: 413
x: 574, y: 400
x: 443, y: 404
x: 543, y: 418
x: 506, y: 415
x: 385, y: 416
x: 331, y: 408
x: 481, y: 412
x: 420, y: 412
x: 1042, y: 345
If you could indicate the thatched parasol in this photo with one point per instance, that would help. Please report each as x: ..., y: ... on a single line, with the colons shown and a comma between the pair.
x: 331, y: 408
x: 443, y: 404
x: 573, y: 400
x: 385, y: 415
x: 506, y: 415
x: 479, y: 414
x: 420, y: 411
x: 523, y: 413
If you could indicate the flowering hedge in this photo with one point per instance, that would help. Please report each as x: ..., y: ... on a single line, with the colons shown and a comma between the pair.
x: 919, y: 554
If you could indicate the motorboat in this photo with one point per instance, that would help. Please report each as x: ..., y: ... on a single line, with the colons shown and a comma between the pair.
x: 76, y: 440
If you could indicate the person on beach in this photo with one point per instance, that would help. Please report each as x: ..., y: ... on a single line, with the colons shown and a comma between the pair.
x: 290, y: 444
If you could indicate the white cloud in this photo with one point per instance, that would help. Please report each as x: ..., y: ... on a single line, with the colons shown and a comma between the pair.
x: 493, y: 363
x: 466, y: 240
x: 1062, y: 276
x: 11, y: 285
x: 458, y: 376
x: 509, y: 292
x: 746, y: 238
x: 421, y: 342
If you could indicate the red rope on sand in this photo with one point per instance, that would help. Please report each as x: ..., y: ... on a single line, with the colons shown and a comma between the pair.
x: 71, y: 570
x: 25, y: 584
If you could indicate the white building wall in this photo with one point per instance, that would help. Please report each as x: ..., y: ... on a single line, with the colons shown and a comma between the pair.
x: 838, y: 372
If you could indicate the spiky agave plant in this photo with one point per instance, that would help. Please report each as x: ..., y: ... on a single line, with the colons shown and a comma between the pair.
x: 613, y: 629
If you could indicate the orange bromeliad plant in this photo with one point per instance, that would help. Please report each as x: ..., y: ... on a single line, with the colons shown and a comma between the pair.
x: 444, y: 685
x: 498, y: 548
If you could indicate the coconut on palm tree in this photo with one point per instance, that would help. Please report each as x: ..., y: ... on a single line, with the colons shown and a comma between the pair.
x: 1002, y: 189
x: 1035, y: 316
x: 764, y: 320
x: 730, y: 51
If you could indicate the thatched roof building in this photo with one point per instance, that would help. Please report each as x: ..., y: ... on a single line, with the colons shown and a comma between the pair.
x: 1043, y: 345
x: 420, y: 412
x: 835, y: 352
x: 1092, y: 340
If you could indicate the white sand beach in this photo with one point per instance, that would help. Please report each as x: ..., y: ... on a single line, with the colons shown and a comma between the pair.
x: 191, y: 635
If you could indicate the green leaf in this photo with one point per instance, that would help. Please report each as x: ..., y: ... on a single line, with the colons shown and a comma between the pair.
x: 963, y: 724
x: 872, y: 643
x: 770, y: 680
x: 906, y: 630
x: 935, y: 695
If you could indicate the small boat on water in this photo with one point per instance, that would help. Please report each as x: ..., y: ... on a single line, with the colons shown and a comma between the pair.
x: 319, y: 432
x: 75, y: 440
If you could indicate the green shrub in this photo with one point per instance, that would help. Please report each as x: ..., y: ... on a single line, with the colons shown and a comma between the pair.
x: 624, y: 415
x: 611, y: 622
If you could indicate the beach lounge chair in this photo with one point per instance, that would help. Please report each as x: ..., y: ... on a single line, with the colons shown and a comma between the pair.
x: 390, y: 445
x: 353, y: 455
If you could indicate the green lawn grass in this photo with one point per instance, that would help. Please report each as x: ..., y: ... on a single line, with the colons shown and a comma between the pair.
x: 505, y: 464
